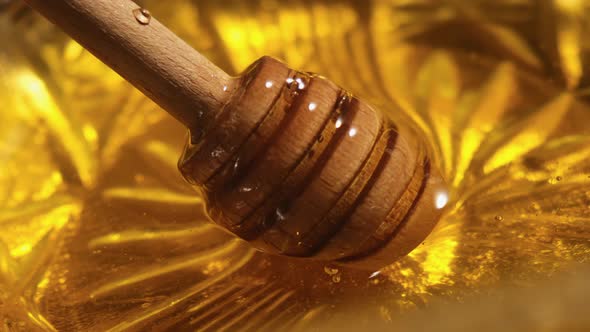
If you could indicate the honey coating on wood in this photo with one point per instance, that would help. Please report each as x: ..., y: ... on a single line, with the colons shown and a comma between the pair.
x: 293, y: 163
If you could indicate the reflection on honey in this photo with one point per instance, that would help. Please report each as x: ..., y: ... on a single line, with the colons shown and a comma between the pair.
x: 98, y: 230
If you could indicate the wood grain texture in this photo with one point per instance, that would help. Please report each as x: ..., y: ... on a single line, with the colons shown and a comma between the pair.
x: 285, y: 159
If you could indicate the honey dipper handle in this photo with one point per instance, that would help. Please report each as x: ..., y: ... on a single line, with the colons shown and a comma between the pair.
x: 144, y: 52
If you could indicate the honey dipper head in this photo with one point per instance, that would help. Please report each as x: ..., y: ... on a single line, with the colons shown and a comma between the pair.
x: 299, y: 167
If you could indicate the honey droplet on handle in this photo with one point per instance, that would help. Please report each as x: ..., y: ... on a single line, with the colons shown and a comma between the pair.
x: 142, y: 15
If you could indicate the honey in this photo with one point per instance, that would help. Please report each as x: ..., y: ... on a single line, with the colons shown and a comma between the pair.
x: 100, y: 232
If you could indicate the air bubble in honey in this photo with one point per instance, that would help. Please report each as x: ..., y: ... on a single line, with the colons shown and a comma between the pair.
x: 330, y: 270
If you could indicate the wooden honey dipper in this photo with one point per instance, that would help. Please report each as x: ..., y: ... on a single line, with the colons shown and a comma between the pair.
x: 286, y: 160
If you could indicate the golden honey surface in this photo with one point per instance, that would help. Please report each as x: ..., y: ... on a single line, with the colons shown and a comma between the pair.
x: 99, y: 232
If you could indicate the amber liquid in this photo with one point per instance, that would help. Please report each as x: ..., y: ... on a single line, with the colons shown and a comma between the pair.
x: 99, y: 232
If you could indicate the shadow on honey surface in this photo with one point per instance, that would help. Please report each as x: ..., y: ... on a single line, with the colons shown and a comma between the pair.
x: 99, y: 231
